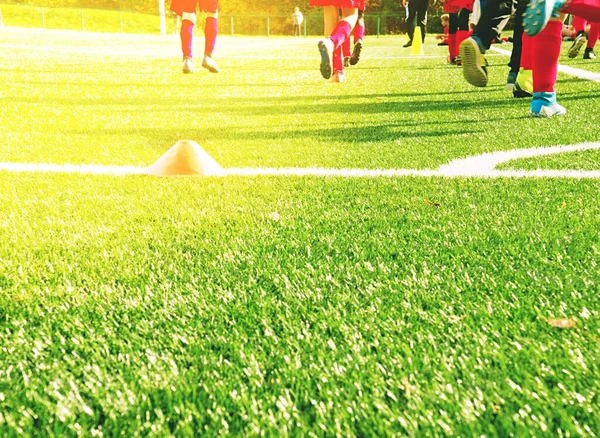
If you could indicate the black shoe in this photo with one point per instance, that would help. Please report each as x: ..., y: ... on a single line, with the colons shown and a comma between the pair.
x: 356, y: 52
x: 589, y: 54
x: 408, y: 44
x: 580, y: 40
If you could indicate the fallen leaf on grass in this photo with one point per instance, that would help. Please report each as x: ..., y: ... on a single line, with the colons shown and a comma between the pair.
x: 435, y: 204
x: 562, y: 322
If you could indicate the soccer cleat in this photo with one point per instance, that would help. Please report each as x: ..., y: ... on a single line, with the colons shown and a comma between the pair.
x: 524, y: 84
x: 589, y: 54
x: 577, y: 44
x: 473, y: 63
x: 408, y: 44
x: 458, y: 61
x: 326, y: 51
x: 346, y: 61
x: 188, y: 65
x: 538, y: 13
x: 544, y: 105
x: 511, y: 81
x: 210, y: 64
x: 338, y: 76
x: 356, y: 52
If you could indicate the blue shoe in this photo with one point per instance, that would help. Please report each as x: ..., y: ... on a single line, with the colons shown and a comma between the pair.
x: 326, y: 51
x: 538, y: 13
x: 544, y: 105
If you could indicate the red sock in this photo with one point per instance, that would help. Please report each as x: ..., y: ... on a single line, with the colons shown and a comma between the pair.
x: 461, y: 35
x: 579, y: 24
x: 452, y: 45
x: 211, y: 30
x: 338, y: 64
x: 594, y: 35
x: 186, y: 34
x: 346, y: 47
x: 359, y: 30
x: 545, y: 51
x: 588, y: 9
x: 341, y: 33
x: 526, y: 52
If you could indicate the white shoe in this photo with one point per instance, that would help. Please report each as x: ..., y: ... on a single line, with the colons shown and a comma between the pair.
x: 210, y: 64
x: 338, y: 76
x: 188, y: 65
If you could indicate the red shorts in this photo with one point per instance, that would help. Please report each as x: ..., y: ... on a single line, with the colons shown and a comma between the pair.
x: 179, y: 6
x: 466, y: 4
x: 451, y: 6
x: 360, y: 4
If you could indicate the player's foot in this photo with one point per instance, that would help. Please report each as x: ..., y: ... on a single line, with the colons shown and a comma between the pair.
x: 524, y: 84
x: 356, y: 52
x: 188, y: 65
x: 338, y: 76
x: 346, y: 61
x: 473, y: 63
x: 210, y: 64
x: 458, y: 61
x: 538, y: 13
x: 544, y: 105
x: 589, y: 54
x: 577, y: 44
x: 511, y: 81
x: 326, y: 51
x: 408, y: 44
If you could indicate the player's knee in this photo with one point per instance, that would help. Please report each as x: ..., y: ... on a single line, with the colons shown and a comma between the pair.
x: 190, y: 16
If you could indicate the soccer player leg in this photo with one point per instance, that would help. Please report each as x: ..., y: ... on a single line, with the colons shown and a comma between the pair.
x: 188, y: 21
x: 452, y: 46
x: 545, y: 51
x: 592, y: 40
x: 588, y: 9
x: 211, y: 30
x: 359, y: 34
x: 422, y: 18
x: 326, y: 46
x: 579, y: 24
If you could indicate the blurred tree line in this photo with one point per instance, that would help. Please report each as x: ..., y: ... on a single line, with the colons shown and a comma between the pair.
x: 262, y: 7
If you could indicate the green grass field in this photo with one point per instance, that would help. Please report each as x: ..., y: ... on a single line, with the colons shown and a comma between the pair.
x: 302, y: 306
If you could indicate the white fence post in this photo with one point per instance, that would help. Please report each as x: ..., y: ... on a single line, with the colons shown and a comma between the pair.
x: 161, y: 13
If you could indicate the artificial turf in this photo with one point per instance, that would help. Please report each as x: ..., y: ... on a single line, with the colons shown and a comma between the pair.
x: 303, y: 306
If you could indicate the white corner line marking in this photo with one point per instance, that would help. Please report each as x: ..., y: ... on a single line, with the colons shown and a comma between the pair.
x: 479, y: 166
x: 571, y: 71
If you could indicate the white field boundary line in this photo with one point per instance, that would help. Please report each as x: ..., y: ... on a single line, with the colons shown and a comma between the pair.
x: 479, y: 166
x: 571, y: 71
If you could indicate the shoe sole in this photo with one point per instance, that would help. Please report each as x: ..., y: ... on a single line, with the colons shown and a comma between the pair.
x: 576, y: 47
x: 326, y: 61
x: 356, y: 53
x: 211, y: 68
x: 536, y: 16
x: 470, y: 57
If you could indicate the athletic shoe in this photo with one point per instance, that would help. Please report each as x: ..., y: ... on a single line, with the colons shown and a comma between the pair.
x: 458, y: 61
x: 408, y: 44
x: 473, y: 63
x: 188, y: 65
x: 538, y: 13
x: 589, y: 54
x: 338, y: 76
x: 210, y: 64
x: 326, y: 51
x: 577, y: 44
x: 525, y: 82
x: 356, y: 52
x: 346, y: 61
x: 544, y: 105
x: 442, y: 44
x: 511, y: 81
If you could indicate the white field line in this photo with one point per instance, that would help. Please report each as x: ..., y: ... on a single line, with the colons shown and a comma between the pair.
x: 571, y: 71
x: 480, y: 166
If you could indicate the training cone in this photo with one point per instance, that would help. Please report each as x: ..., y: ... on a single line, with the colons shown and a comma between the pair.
x: 185, y: 157
x: 417, y: 44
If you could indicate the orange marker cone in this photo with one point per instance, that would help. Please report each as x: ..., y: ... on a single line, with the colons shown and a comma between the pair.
x: 417, y: 44
x: 185, y: 157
